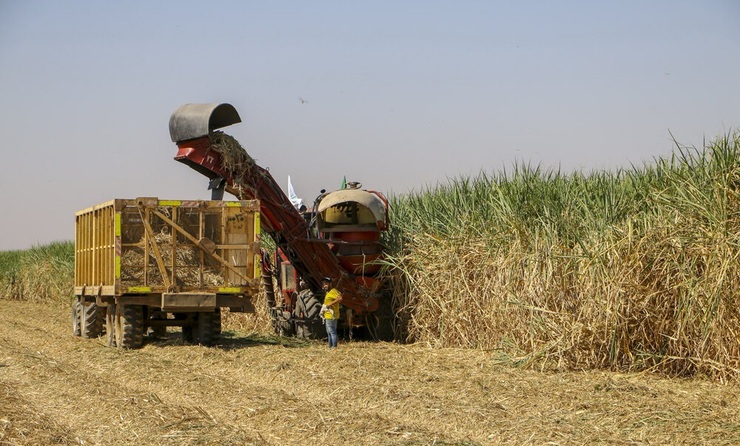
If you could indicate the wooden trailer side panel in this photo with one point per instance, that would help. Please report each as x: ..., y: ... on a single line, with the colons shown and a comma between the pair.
x: 149, y: 246
x: 96, y: 260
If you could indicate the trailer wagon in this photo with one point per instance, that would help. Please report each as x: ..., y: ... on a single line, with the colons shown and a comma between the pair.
x: 143, y: 265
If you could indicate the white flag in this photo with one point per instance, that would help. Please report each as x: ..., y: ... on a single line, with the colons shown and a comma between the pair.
x: 297, y: 202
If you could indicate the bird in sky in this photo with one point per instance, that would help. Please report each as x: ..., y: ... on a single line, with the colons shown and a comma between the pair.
x: 303, y: 101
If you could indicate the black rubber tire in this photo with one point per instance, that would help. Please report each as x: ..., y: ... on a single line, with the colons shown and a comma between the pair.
x: 110, y: 325
x: 187, y: 329
x: 76, y: 318
x: 283, y: 325
x: 217, y: 324
x: 158, y: 331
x: 281, y: 320
x: 129, y: 326
x: 207, y: 328
x: 92, y: 320
x: 381, y: 324
x: 188, y: 334
x: 296, y: 317
x: 308, y: 324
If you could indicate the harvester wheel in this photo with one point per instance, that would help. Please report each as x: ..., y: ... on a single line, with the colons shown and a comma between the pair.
x: 308, y: 324
x: 76, y: 318
x: 282, y: 323
x: 110, y: 325
x: 129, y: 326
x: 381, y: 323
x: 92, y: 320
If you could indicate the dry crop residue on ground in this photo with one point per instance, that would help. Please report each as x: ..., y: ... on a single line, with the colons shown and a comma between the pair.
x: 58, y: 389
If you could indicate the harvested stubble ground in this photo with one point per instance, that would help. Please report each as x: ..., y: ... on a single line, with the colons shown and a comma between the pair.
x: 59, y: 389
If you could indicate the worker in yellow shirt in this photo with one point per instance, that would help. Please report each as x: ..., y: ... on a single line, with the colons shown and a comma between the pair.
x: 330, y: 310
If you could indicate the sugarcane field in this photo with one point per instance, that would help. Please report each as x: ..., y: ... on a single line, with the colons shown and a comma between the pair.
x: 527, y: 308
x: 370, y: 223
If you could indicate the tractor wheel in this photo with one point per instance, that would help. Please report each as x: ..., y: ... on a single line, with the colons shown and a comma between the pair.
x: 129, y: 326
x: 93, y: 318
x: 76, y: 318
x: 110, y: 324
x: 307, y: 310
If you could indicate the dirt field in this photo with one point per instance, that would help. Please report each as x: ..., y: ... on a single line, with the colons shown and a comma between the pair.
x: 58, y: 389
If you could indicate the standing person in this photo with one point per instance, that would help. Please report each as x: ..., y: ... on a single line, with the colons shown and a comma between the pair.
x: 332, y: 299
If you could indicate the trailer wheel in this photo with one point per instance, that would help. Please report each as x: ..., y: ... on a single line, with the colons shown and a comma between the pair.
x: 187, y: 325
x: 217, y: 323
x: 92, y: 320
x: 207, y: 328
x: 308, y: 324
x: 158, y: 331
x: 129, y: 326
x: 110, y: 324
x: 76, y: 318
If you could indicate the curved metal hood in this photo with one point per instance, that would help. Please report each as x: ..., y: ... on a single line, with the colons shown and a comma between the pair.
x: 192, y: 121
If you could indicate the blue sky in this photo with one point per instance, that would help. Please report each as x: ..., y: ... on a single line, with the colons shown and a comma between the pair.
x: 401, y: 94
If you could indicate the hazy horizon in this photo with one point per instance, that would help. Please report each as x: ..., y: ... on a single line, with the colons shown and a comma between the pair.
x: 396, y: 95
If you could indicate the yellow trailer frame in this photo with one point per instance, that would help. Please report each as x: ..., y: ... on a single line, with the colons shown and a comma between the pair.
x: 161, y: 257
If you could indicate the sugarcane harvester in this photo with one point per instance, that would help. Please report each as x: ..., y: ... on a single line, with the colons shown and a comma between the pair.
x: 338, y: 238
